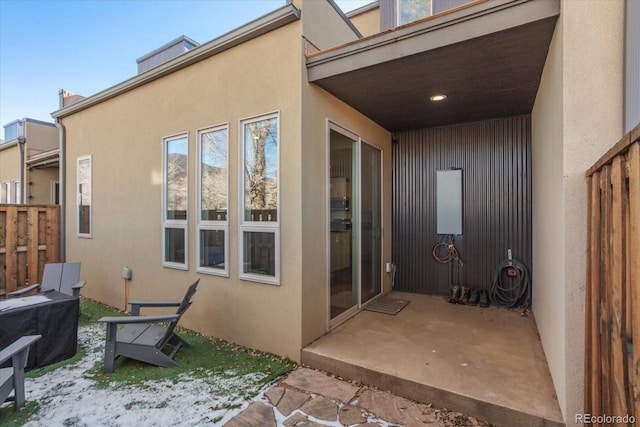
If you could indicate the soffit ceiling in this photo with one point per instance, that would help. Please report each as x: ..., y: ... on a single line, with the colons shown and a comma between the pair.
x: 487, y: 58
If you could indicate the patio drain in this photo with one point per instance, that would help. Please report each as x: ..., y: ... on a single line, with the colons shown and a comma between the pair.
x: 387, y: 305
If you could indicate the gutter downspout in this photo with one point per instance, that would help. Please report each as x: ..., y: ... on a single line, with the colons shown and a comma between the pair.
x: 21, y: 142
x: 62, y: 173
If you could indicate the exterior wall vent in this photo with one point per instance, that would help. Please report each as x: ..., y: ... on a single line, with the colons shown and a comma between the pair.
x: 165, y: 53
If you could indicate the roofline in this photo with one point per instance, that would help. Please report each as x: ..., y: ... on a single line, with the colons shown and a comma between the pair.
x: 166, y: 45
x: 45, y: 156
x: 421, y: 28
x: 266, y: 23
x: 363, y: 9
x: 7, y: 144
x: 28, y: 120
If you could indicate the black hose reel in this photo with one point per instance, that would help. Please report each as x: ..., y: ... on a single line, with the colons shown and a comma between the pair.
x: 511, y: 285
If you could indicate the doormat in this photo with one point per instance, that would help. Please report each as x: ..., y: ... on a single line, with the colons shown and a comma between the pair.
x: 387, y: 305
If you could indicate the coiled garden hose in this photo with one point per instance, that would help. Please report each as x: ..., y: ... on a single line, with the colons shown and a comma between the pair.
x: 508, y: 294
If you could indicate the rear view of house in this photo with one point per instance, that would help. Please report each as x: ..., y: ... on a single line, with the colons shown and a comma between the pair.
x: 294, y: 164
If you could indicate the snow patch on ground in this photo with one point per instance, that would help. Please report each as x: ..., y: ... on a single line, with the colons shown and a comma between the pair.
x: 69, y: 397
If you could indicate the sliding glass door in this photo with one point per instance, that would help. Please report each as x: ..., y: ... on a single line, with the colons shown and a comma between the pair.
x: 355, y: 218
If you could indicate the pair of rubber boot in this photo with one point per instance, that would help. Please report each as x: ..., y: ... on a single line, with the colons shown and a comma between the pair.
x: 468, y: 296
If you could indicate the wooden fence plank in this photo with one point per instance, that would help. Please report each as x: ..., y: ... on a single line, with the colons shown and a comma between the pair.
x: 32, y: 246
x: 24, y: 242
x: 11, y: 255
x: 633, y: 167
x: 605, y: 291
x: 595, y: 395
x: 53, y: 234
x: 617, y: 285
x: 588, y: 365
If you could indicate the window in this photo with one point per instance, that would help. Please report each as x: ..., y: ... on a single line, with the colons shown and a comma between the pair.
x: 412, y: 10
x: 55, y: 193
x: 84, y: 196
x: 4, y: 192
x: 17, y: 192
x: 175, y: 201
x: 212, y: 201
x: 259, y: 206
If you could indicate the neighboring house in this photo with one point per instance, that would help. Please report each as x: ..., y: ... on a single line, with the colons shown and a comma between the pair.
x: 285, y: 163
x: 29, y: 158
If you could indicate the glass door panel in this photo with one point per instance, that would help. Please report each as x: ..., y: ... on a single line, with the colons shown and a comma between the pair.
x: 371, y: 222
x: 343, y: 228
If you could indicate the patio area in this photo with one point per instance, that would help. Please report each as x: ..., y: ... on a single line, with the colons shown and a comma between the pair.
x: 488, y: 363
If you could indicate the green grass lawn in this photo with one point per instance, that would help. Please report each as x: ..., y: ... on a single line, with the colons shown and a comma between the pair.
x: 206, y: 357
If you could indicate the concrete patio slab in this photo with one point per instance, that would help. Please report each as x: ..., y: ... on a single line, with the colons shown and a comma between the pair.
x: 487, y: 363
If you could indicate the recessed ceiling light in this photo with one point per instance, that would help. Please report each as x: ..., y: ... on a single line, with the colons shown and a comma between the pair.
x: 438, y: 97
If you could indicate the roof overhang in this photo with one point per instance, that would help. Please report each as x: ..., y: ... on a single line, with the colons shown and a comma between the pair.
x: 50, y: 158
x: 487, y: 57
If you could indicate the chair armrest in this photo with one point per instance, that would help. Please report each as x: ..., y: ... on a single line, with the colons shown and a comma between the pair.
x: 75, y: 289
x: 24, y: 291
x: 139, y: 319
x: 19, y: 345
x: 136, y: 305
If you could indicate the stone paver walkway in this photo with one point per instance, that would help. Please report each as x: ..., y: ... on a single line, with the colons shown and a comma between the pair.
x: 307, y: 397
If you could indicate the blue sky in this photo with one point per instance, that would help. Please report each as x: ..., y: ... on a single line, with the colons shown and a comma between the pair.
x: 86, y: 46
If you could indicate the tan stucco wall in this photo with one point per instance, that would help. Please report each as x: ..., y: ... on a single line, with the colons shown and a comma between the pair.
x: 10, y: 163
x: 368, y: 23
x: 322, y: 25
x: 576, y: 118
x: 40, y: 137
x: 124, y: 136
x: 40, y: 187
x: 318, y: 107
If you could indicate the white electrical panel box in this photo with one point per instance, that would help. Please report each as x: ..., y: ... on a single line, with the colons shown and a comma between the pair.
x: 449, y: 201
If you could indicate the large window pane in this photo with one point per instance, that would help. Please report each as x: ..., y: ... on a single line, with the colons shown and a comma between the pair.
x: 212, y: 249
x: 261, y: 170
x: 174, y: 245
x: 84, y: 195
x: 259, y: 253
x: 213, y: 175
x: 412, y: 10
x: 176, y: 178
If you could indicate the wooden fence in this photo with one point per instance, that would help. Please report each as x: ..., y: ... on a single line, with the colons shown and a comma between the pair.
x: 29, y: 238
x: 612, y: 340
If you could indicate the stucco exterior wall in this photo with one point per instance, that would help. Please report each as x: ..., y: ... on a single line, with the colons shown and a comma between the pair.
x: 318, y: 17
x: 124, y: 136
x: 9, y: 163
x: 39, y: 191
x: 576, y: 118
x: 40, y: 137
x: 368, y: 23
x: 319, y: 107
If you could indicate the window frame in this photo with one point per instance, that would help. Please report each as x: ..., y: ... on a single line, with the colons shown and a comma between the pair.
x: 88, y: 235
x: 174, y: 223
x: 213, y: 225
x: 7, y: 192
x: 247, y: 226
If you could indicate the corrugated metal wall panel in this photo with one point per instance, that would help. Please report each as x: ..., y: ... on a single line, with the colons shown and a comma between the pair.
x: 495, y: 157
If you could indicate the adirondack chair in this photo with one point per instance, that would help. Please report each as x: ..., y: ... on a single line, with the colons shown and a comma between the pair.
x: 12, y: 378
x: 144, y: 337
x: 61, y: 277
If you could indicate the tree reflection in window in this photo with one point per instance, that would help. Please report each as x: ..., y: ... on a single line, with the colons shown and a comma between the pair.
x: 261, y: 170
x: 412, y: 10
